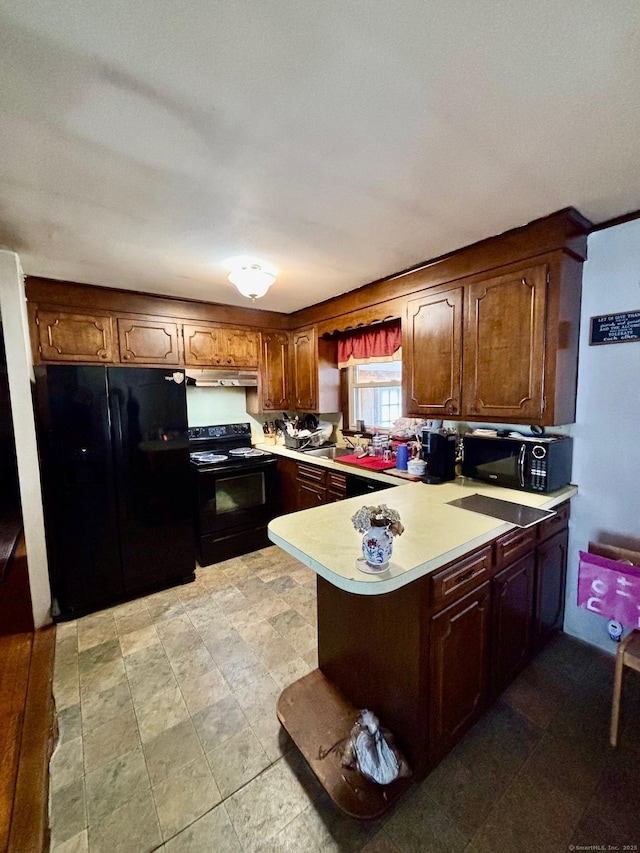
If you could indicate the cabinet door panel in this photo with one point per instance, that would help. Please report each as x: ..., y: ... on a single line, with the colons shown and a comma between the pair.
x: 74, y: 337
x: 512, y: 620
x: 551, y: 570
x: 202, y: 345
x: 433, y: 346
x: 148, y: 341
x: 504, y: 346
x: 310, y: 494
x: 240, y: 348
x: 288, y: 477
x: 305, y: 370
x: 274, y: 372
x: 459, y: 668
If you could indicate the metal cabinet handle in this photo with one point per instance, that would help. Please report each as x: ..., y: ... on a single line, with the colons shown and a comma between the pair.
x: 521, y: 456
x: 464, y: 577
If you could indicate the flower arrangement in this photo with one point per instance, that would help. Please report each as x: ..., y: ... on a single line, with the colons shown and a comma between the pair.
x: 378, y: 516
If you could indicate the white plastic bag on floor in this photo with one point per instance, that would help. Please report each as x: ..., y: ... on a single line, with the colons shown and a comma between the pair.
x: 371, y: 750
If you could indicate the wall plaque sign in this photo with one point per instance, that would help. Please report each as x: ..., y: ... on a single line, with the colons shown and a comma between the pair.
x: 615, y: 328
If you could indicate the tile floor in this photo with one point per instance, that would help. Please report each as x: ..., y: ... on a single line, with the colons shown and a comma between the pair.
x: 169, y: 739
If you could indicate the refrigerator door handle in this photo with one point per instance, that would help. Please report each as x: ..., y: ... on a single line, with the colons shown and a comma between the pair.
x: 118, y: 452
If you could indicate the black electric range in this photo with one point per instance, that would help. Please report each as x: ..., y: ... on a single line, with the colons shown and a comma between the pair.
x: 236, y: 491
x: 222, y: 444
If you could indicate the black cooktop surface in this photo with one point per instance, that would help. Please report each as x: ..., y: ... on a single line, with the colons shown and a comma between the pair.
x: 519, y: 514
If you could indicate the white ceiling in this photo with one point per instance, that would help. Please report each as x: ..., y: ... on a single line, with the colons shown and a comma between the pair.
x: 142, y: 143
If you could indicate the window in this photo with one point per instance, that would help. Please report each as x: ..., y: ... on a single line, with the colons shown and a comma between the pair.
x: 375, y: 393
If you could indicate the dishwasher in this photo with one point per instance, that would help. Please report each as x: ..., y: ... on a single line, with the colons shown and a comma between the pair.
x: 363, y: 485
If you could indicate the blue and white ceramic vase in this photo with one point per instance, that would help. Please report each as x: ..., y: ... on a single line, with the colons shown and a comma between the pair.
x: 377, y: 545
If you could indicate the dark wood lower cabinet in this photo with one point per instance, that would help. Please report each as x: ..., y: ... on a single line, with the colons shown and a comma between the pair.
x: 310, y: 494
x: 288, y: 479
x: 336, y: 486
x: 551, y: 573
x: 458, y: 669
x: 311, y: 486
x: 303, y: 486
x: 512, y: 617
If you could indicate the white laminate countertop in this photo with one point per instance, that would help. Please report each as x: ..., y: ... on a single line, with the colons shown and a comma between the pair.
x: 279, y: 450
x: 324, y: 539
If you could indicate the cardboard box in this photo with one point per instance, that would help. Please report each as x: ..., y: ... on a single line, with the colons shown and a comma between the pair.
x: 612, y: 553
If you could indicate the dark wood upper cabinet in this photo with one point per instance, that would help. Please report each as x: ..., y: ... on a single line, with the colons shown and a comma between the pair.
x: 202, y: 345
x: 218, y: 346
x: 496, y: 348
x: 490, y: 332
x: 273, y: 392
x: 241, y: 347
x: 504, y: 346
x: 73, y: 337
x: 148, y: 342
x: 432, y: 346
x: 304, y: 370
x: 314, y: 372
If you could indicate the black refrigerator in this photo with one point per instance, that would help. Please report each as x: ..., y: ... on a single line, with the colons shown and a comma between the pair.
x: 114, y: 458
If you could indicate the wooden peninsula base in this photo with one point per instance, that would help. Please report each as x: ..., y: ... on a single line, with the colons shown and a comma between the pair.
x: 426, y: 657
x: 319, y: 720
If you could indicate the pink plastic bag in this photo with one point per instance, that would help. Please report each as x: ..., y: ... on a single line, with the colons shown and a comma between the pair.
x: 610, y: 589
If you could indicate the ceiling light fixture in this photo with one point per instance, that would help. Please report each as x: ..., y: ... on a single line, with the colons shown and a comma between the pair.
x: 251, y: 280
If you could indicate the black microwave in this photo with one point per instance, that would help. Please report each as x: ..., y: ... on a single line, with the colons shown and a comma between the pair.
x: 535, y: 464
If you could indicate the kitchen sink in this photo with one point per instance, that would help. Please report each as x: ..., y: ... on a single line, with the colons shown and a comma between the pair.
x: 327, y: 452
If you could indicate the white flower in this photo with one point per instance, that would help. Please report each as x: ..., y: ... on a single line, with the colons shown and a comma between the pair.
x: 380, y: 516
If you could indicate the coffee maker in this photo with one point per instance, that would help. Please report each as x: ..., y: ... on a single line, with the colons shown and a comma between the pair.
x: 439, y: 454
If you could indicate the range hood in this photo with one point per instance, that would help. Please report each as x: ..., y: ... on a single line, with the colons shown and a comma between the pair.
x: 211, y: 378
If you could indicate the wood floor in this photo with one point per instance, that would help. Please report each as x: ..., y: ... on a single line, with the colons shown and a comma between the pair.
x: 26, y: 739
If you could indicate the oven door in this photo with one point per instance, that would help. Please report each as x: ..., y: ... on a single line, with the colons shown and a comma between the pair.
x: 236, y: 497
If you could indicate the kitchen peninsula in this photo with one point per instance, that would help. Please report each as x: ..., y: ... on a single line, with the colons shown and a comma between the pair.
x: 466, y: 601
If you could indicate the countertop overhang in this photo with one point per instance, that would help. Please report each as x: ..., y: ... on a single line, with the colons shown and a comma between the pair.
x: 324, y: 539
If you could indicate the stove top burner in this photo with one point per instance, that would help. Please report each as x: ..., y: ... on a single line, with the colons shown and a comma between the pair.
x: 207, y: 457
x: 223, y: 446
x: 246, y: 452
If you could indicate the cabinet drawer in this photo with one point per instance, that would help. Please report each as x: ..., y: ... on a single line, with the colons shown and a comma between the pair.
x: 461, y: 577
x: 311, y: 473
x: 336, y: 486
x: 513, y: 545
x: 337, y: 482
x: 556, y: 523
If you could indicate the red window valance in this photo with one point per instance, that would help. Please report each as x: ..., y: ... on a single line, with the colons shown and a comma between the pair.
x: 375, y: 343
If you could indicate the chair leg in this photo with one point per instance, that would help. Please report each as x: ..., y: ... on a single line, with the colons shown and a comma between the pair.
x: 617, y: 692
